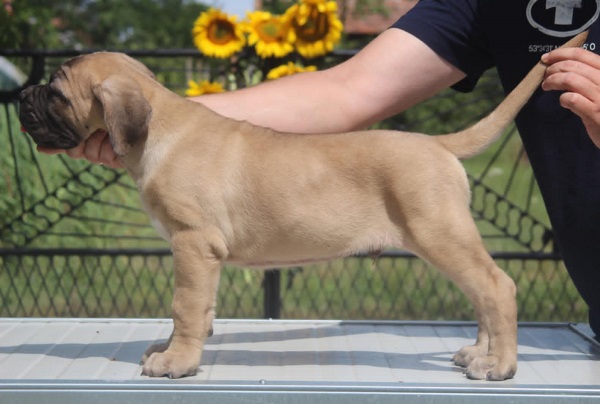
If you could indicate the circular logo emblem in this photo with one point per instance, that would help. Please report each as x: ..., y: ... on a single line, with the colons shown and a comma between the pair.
x: 562, y: 18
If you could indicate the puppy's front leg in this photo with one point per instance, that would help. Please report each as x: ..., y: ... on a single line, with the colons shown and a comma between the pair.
x: 197, y: 270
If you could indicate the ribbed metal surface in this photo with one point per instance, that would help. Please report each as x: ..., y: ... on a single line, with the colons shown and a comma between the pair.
x: 74, y: 360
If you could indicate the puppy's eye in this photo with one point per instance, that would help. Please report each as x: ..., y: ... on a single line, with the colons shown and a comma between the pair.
x: 55, y: 92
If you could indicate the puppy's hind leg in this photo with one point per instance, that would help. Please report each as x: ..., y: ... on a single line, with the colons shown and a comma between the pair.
x: 452, y: 243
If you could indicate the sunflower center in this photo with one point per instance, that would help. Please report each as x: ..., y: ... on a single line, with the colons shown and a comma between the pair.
x: 269, y: 31
x: 220, y: 32
x: 315, y: 28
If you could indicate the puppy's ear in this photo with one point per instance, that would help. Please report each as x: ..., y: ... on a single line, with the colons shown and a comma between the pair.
x: 126, y: 112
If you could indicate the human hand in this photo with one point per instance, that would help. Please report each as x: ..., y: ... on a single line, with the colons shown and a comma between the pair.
x: 96, y: 149
x: 576, y: 71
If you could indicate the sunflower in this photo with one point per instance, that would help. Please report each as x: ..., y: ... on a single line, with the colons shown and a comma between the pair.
x: 316, y: 26
x: 203, y: 87
x: 217, y: 34
x: 287, y: 70
x: 270, y: 35
x: 305, y: 8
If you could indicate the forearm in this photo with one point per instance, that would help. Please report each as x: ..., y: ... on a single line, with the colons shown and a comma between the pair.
x: 391, y: 74
x: 303, y: 103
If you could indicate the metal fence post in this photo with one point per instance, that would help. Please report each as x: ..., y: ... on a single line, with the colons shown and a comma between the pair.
x: 272, y: 289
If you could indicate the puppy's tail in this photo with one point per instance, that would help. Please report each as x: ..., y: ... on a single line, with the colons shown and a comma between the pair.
x: 477, y: 138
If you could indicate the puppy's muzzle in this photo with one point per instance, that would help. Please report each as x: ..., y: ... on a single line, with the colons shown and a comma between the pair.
x: 40, y: 113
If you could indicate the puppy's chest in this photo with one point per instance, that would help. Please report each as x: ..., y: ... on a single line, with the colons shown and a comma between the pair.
x: 159, y: 228
x: 156, y: 223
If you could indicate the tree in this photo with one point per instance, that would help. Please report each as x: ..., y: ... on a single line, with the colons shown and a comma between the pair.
x: 133, y: 24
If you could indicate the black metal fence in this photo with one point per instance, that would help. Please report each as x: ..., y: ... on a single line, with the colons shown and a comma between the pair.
x: 74, y: 241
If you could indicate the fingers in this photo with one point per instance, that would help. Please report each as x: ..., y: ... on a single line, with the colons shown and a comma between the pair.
x: 576, y: 72
x: 96, y: 149
x: 573, y: 69
x: 574, y: 77
x: 574, y: 54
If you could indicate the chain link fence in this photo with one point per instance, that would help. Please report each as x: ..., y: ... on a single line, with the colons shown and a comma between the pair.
x: 129, y: 283
x: 75, y: 243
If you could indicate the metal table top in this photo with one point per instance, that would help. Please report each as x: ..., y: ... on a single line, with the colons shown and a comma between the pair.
x: 75, y: 360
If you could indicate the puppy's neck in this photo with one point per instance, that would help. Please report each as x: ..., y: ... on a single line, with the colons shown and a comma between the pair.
x: 149, y: 152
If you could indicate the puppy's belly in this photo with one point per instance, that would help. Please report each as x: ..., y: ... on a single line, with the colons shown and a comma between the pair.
x: 306, y: 247
x: 302, y: 253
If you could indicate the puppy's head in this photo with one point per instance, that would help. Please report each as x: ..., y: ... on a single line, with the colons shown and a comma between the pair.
x: 98, y: 91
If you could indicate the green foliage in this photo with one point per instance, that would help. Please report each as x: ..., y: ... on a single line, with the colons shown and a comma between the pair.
x: 363, y: 7
x: 135, y: 24
x: 8, y: 30
x: 30, y: 25
x: 276, y: 6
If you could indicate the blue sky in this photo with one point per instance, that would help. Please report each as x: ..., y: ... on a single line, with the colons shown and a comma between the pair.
x: 235, y: 7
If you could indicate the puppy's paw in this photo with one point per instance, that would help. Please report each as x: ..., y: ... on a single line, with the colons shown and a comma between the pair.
x: 154, y: 348
x: 170, y: 364
x: 490, y: 368
x: 467, y: 354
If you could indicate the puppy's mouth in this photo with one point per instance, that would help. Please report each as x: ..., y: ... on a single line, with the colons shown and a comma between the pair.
x: 40, y: 116
x: 48, y: 139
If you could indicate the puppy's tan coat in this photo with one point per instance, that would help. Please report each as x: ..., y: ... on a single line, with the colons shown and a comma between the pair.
x: 223, y: 191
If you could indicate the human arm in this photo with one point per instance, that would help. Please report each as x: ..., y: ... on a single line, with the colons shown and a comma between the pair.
x: 395, y: 71
x: 576, y: 71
